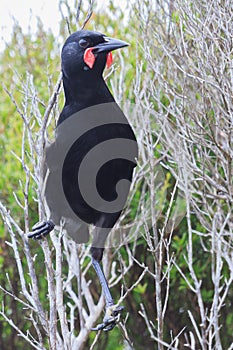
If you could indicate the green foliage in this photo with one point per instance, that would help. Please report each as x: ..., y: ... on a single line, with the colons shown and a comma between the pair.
x: 141, y: 288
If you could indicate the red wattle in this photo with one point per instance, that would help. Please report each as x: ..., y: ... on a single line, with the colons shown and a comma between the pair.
x: 109, y: 59
x: 89, y: 57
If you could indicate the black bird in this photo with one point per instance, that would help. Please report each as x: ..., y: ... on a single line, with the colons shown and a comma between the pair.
x: 89, y: 167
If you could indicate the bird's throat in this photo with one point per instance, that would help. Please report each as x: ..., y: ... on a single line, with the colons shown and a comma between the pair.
x: 86, y: 93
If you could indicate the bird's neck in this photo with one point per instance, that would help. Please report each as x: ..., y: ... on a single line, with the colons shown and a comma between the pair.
x: 86, y: 93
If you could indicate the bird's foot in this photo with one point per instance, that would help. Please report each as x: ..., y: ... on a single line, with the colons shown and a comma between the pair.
x: 111, y: 318
x: 41, y: 229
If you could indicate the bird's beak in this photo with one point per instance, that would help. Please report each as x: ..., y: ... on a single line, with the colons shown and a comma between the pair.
x: 110, y: 44
x: 107, y: 46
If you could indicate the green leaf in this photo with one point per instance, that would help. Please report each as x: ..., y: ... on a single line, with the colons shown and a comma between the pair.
x: 141, y: 288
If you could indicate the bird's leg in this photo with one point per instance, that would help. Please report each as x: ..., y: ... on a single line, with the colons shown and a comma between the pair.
x: 103, y: 282
x: 113, y: 311
x: 41, y: 229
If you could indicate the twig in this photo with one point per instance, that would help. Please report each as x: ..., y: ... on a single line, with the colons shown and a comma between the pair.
x: 90, y: 12
x: 125, y: 334
x: 78, y: 11
x: 20, y: 333
x: 95, y: 341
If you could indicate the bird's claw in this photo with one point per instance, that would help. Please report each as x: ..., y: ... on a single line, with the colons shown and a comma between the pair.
x: 41, y: 229
x: 111, y: 318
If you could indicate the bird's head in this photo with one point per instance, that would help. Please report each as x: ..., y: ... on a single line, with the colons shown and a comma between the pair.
x: 86, y: 51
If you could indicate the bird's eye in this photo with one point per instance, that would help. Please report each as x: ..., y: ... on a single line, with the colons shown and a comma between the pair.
x: 83, y: 43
